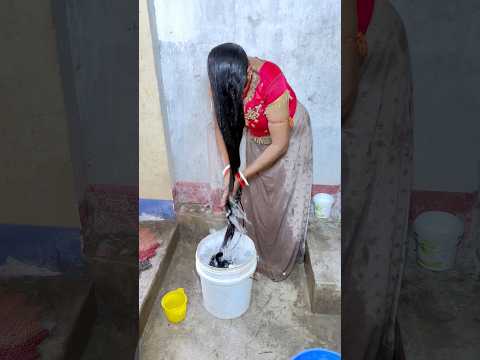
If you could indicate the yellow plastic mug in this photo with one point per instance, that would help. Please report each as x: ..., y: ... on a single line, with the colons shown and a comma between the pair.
x: 174, y: 304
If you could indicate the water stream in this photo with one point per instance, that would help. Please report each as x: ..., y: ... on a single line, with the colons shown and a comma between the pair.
x: 224, y: 257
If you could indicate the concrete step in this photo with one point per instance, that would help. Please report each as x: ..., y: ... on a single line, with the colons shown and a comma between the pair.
x: 149, y: 281
x: 67, y: 306
x: 323, y: 266
x: 116, y: 284
x: 191, y: 221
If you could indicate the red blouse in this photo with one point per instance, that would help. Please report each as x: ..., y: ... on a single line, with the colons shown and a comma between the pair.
x: 267, y: 85
x: 364, y: 14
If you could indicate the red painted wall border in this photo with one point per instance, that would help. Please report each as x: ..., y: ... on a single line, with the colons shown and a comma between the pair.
x: 202, y: 193
x: 327, y: 189
x: 458, y: 203
x: 120, y: 200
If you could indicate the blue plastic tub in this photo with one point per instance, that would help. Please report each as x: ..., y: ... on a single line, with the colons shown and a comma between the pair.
x: 317, y: 354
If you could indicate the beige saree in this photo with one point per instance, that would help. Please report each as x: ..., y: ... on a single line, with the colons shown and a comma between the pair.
x: 277, y: 201
x: 377, y: 165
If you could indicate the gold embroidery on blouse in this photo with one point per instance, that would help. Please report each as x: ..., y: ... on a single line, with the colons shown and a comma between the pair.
x: 252, y: 115
x: 262, y: 140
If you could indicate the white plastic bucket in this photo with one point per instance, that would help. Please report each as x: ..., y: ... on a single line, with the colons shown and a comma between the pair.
x: 226, y: 292
x: 437, y: 234
x: 323, y: 205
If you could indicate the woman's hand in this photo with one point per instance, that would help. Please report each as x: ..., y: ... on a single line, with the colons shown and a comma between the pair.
x: 362, y: 45
x: 226, y: 193
x: 236, y: 186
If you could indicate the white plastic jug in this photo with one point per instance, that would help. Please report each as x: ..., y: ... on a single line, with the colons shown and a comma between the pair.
x: 226, y: 292
x: 323, y: 205
x: 437, y: 234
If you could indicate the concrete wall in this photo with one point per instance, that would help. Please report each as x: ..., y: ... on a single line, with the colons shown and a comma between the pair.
x: 36, y: 176
x: 154, y: 178
x: 446, y: 70
x: 98, y: 43
x: 302, y: 37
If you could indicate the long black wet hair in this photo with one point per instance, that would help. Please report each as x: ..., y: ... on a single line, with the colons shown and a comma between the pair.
x: 227, y: 71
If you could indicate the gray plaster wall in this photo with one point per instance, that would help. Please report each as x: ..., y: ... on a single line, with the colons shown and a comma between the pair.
x: 302, y: 37
x: 36, y: 176
x: 98, y: 41
x: 446, y: 72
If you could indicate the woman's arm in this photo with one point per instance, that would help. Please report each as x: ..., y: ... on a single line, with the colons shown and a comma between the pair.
x: 350, y: 57
x: 278, y: 115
